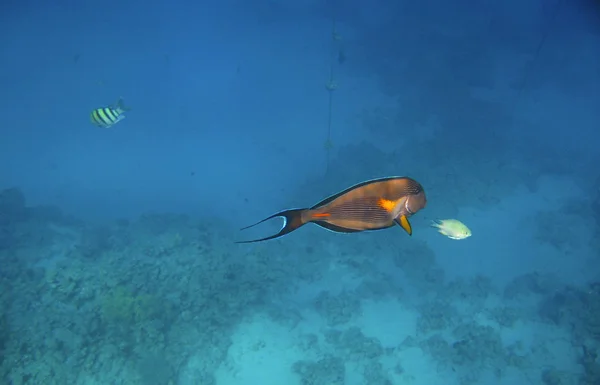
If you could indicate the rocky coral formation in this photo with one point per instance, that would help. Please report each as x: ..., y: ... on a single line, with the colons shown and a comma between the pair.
x: 473, y: 347
x: 505, y: 316
x: 531, y: 283
x: 353, y: 345
x: 337, y: 310
x: 155, y: 300
x: 436, y: 316
x: 591, y: 366
x: 417, y: 261
x: 477, y: 345
x: 472, y: 292
x: 326, y: 371
x: 108, y: 299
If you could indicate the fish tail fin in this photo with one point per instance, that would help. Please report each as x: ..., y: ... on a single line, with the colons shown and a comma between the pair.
x: 293, y: 220
x: 120, y: 106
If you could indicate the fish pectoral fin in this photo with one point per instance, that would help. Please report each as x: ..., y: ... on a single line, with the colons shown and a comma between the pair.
x: 404, y: 223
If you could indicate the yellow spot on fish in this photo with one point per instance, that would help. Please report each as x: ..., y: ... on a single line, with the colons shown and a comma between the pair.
x: 452, y: 228
x: 387, y: 204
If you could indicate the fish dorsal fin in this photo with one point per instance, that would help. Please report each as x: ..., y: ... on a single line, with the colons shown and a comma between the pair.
x: 120, y: 106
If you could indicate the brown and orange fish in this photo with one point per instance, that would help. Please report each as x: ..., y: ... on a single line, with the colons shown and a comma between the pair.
x: 372, y: 205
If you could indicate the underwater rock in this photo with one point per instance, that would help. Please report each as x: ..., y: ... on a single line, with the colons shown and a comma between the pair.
x: 358, y: 346
x: 474, y: 290
x: 327, y: 371
x: 551, y: 308
x: 378, y: 287
x: 438, y: 348
x: 591, y: 366
x: 435, y: 316
x: 417, y: 260
x: 354, y: 345
x: 374, y: 374
x: 504, y: 315
x: 478, y: 345
x: 532, y: 283
x: 552, y: 377
x: 337, y: 310
x: 155, y: 370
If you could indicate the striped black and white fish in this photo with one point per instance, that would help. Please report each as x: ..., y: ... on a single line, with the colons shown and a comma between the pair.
x: 106, y: 117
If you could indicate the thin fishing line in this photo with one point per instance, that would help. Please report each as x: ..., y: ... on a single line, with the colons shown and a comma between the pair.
x: 330, y: 88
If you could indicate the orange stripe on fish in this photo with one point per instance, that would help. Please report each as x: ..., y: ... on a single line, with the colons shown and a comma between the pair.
x: 387, y: 205
x: 321, y: 215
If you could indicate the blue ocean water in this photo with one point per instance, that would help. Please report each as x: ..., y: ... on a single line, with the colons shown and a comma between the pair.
x: 118, y: 261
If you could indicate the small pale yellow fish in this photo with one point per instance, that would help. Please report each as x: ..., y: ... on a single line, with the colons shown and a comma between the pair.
x: 106, y: 117
x: 452, y: 228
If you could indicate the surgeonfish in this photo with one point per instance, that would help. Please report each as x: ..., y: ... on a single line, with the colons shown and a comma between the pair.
x: 452, y: 228
x: 106, y: 117
x: 372, y: 205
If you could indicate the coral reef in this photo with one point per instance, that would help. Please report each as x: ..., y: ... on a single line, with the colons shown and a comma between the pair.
x: 121, y: 306
x: 353, y: 345
x: 338, y: 309
x: 591, y: 366
x: 531, y: 283
x: 326, y: 371
x: 436, y: 316
x: 423, y: 272
x: 505, y: 316
x: 119, y: 295
x: 156, y: 301
x: 477, y: 345
x: 473, y: 347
